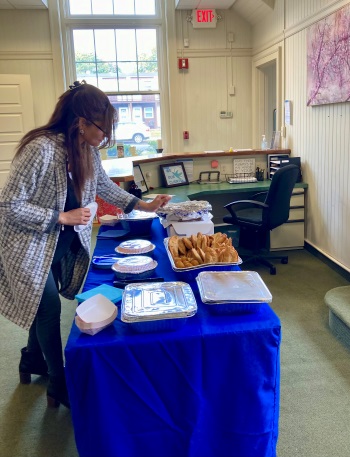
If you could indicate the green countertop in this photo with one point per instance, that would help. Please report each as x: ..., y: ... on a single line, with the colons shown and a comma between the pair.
x: 195, y: 191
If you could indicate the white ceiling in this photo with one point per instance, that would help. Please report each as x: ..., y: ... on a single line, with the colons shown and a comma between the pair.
x: 252, y: 11
x: 195, y: 4
x: 23, y: 4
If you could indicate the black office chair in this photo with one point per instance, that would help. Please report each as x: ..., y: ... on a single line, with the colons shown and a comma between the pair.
x: 266, y: 211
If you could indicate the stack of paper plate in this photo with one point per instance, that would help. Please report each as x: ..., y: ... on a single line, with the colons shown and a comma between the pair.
x: 95, y: 314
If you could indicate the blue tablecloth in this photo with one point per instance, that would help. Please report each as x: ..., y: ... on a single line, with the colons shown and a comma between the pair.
x: 209, y: 389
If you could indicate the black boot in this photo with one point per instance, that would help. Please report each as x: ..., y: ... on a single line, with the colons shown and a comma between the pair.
x: 31, y: 363
x: 57, y: 392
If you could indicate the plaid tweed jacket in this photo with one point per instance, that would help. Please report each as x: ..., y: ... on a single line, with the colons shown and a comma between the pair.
x: 34, y: 194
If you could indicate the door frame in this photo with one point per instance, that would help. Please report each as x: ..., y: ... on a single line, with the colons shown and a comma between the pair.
x: 260, y: 92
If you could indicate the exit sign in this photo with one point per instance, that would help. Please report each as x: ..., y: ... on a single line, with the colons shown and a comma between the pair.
x: 204, y: 18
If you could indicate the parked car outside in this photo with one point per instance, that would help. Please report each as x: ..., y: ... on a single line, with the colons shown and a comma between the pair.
x: 134, y: 131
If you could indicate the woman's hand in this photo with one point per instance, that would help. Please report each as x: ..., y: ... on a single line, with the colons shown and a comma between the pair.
x: 158, y: 202
x: 78, y: 216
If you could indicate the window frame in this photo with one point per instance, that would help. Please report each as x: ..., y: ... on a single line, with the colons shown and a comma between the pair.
x: 70, y: 22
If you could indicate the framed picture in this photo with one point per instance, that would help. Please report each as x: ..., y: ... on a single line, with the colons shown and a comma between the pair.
x: 174, y: 174
x: 139, y: 179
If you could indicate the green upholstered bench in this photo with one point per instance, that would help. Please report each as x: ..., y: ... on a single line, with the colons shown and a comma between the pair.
x: 338, y: 302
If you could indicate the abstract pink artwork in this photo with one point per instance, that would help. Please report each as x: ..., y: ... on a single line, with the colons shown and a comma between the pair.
x: 328, y: 59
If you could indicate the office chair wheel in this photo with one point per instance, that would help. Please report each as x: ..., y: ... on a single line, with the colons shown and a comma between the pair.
x: 272, y: 270
x: 284, y: 260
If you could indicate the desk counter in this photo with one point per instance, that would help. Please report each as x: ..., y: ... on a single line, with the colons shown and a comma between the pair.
x: 196, y: 191
x: 208, y: 389
x: 121, y: 169
x: 288, y: 236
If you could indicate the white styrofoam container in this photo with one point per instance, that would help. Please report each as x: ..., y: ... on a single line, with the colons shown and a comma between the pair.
x: 190, y: 228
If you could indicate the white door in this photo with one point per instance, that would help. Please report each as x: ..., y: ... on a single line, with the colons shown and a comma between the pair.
x: 16, y: 117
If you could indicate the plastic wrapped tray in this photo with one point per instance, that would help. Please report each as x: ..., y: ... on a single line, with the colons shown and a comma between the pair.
x: 138, y: 223
x: 151, y: 307
x: 135, y: 266
x: 232, y: 291
x: 135, y: 247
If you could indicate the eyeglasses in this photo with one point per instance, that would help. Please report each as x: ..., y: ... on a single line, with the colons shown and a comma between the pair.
x: 92, y: 122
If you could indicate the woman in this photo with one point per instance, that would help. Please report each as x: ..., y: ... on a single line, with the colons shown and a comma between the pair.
x: 55, y: 174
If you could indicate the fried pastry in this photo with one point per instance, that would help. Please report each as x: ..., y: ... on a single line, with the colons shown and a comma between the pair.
x: 182, y: 247
x: 174, y: 246
x: 204, y: 242
x: 202, y: 249
x: 187, y: 243
x: 194, y: 240
x: 211, y: 256
x: 228, y: 254
x: 195, y: 254
x: 201, y: 253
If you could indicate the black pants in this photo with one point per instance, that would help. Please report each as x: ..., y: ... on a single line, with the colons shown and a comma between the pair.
x: 45, y: 332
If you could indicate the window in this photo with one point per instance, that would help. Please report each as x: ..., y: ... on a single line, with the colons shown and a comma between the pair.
x: 122, y: 60
x: 137, y: 113
x: 117, y: 60
x: 123, y: 113
x: 148, y: 112
x: 114, y: 7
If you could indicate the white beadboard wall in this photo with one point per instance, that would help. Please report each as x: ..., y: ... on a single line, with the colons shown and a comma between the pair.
x: 25, y: 48
x: 214, y: 65
x: 319, y: 135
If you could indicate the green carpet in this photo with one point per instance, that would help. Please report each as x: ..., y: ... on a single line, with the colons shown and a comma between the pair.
x: 315, y: 375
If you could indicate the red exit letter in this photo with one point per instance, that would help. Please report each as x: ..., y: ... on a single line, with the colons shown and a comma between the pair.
x: 205, y: 15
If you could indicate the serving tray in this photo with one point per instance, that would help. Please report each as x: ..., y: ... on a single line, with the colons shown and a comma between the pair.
x: 197, y: 267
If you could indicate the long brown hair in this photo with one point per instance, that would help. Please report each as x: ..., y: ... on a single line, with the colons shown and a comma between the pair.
x: 80, y: 101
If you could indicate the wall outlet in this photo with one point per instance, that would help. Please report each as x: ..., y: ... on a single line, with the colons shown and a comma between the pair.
x: 230, y: 37
x: 226, y: 114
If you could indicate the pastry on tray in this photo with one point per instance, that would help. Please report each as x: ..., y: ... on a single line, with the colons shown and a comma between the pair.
x: 202, y: 249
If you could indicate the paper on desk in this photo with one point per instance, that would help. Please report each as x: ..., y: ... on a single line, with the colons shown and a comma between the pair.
x: 219, y: 150
x: 152, y: 196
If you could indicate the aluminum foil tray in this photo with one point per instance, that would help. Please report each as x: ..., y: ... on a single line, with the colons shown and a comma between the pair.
x: 157, y: 306
x: 136, y: 215
x: 221, y: 265
x: 232, y: 291
x: 185, y: 210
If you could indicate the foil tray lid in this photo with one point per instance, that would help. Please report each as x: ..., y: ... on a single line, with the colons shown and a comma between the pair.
x: 135, y: 247
x: 217, y: 287
x: 156, y: 301
x: 134, y: 264
x: 136, y: 215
